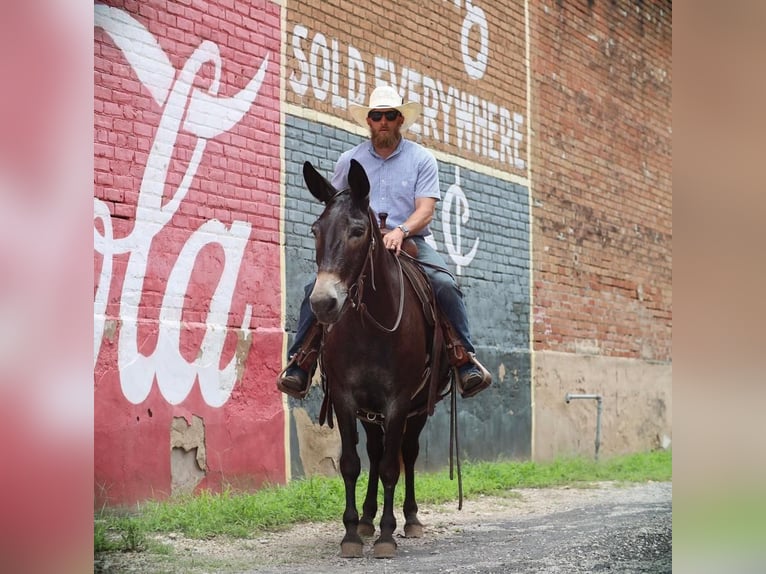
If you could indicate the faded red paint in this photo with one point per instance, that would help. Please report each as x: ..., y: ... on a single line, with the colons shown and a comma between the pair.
x: 237, y: 182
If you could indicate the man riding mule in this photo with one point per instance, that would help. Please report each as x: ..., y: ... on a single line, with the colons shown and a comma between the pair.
x: 383, y: 358
x: 404, y: 189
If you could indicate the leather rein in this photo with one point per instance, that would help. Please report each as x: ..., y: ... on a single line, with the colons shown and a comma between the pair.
x: 356, y: 291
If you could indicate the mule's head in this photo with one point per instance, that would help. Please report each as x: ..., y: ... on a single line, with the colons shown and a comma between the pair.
x: 342, y: 234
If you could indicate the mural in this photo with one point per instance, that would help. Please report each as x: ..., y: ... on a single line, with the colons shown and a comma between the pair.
x: 452, y: 115
x: 455, y: 200
x: 186, y: 302
x: 206, y: 116
x: 198, y: 155
x: 204, y: 113
x: 488, y: 250
x: 465, y: 62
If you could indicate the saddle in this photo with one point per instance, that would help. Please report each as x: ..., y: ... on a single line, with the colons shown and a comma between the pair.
x: 413, y: 271
x: 443, y: 340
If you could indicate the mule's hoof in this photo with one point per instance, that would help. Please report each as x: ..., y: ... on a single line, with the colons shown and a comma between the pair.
x: 366, y: 528
x: 413, y: 531
x: 384, y: 549
x: 351, y: 550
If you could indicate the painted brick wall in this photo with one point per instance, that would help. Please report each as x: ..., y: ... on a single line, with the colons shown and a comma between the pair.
x: 204, y: 114
x: 465, y: 63
x: 461, y: 60
x: 601, y: 172
x: 187, y: 338
x: 495, y: 284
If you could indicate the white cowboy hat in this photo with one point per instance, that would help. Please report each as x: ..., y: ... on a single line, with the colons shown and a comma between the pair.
x: 386, y: 98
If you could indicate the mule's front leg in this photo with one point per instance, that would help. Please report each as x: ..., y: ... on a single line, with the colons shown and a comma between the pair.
x: 374, y: 434
x: 350, y: 466
x: 385, y: 545
x: 410, y: 450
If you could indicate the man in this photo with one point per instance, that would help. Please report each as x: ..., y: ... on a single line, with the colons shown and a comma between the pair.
x: 404, y: 183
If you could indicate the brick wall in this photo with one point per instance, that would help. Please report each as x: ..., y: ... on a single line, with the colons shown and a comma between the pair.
x: 204, y: 114
x: 465, y: 63
x: 602, y: 227
x: 601, y: 111
x: 461, y: 60
x: 495, y: 283
x: 187, y: 199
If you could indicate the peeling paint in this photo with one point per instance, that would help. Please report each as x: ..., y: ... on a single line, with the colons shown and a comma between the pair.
x: 188, y: 458
x: 244, y: 343
x: 319, y: 446
x: 184, y: 470
x: 190, y: 436
x: 110, y: 329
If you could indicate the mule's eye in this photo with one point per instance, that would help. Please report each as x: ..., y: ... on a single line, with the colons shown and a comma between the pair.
x: 356, y: 232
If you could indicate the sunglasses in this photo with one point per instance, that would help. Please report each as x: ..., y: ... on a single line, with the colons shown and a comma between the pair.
x: 376, y: 116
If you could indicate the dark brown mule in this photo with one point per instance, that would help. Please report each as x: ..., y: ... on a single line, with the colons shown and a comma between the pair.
x: 375, y: 356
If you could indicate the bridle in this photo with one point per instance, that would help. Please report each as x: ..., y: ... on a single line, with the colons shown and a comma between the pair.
x: 356, y: 290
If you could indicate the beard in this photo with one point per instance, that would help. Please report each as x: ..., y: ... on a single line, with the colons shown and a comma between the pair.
x: 385, y: 139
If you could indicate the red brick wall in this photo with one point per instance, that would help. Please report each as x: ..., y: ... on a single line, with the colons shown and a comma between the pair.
x: 188, y: 336
x: 601, y: 177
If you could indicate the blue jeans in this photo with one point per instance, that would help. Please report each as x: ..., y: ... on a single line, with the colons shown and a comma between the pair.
x: 447, y: 293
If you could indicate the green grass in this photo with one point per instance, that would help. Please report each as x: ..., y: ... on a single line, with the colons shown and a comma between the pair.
x: 315, y: 499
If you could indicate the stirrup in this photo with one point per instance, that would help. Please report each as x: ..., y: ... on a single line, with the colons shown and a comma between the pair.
x: 281, y: 380
x: 486, y: 380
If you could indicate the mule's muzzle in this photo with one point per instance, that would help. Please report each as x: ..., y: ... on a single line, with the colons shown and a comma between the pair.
x: 328, y: 298
x: 327, y: 311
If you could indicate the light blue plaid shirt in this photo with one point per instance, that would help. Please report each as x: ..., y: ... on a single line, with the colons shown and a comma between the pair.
x: 410, y: 172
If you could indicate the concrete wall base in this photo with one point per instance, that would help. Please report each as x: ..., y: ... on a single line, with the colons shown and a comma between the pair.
x: 637, y: 405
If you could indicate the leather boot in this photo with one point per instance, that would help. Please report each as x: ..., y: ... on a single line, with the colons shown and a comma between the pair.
x: 295, y: 380
x: 471, y: 375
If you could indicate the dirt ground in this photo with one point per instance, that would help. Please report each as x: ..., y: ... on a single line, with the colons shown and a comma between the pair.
x: 603, y: 527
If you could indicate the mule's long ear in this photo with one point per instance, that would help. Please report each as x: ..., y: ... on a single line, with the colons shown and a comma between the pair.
x: 318, y: 185
x: 359, y: 184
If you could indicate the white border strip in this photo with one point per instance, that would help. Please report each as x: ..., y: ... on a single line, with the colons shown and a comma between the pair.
x: 282, y: 240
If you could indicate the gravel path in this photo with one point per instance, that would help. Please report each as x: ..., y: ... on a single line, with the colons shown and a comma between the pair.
x: 607, y: 527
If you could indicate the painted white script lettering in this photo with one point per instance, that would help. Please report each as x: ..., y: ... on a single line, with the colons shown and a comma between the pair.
x: 482, y: 127
x: 454, y: 245
x: 205, y: 115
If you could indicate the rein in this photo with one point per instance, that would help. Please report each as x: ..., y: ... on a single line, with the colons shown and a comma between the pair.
x: 357, y: 288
